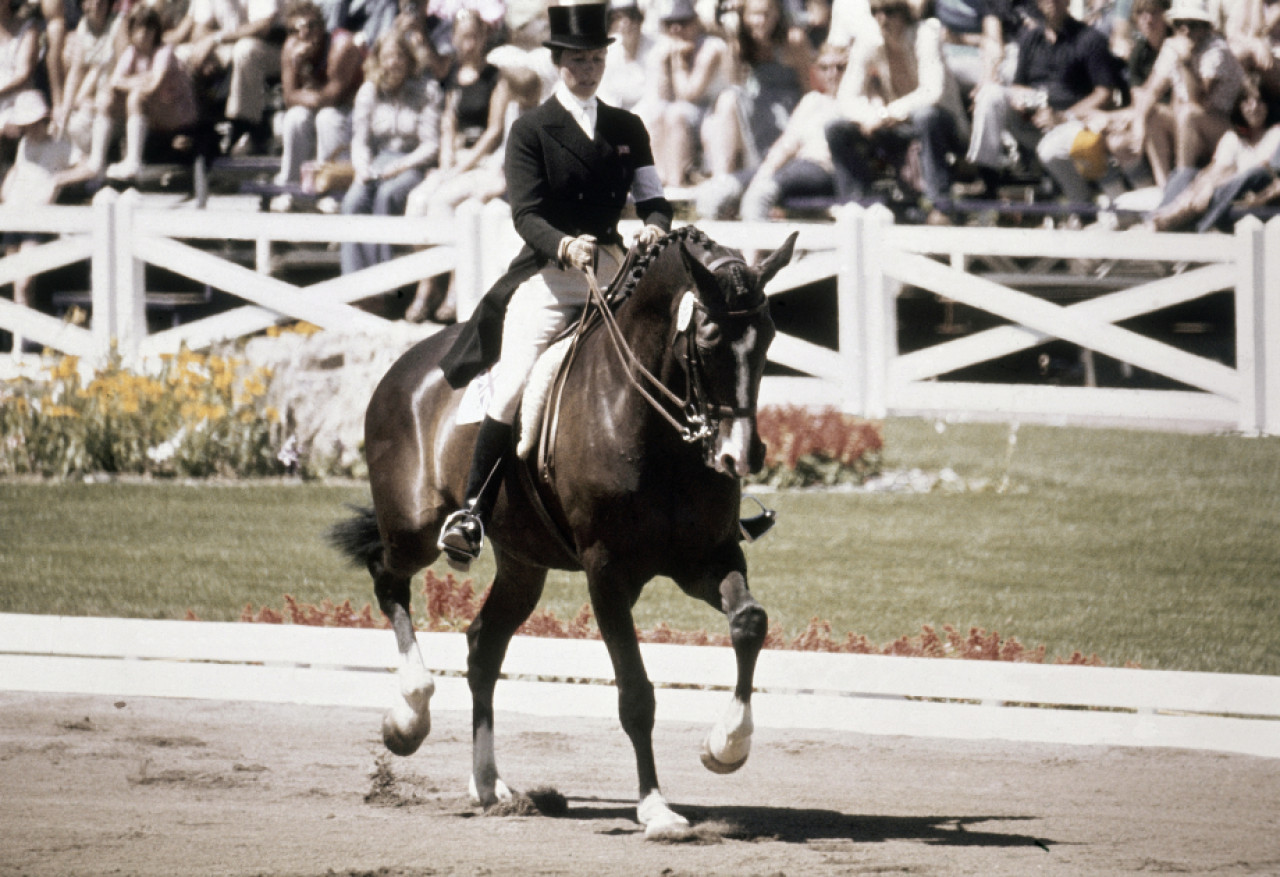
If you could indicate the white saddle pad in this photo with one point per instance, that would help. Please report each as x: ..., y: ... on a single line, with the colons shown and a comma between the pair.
x: 479, y: 393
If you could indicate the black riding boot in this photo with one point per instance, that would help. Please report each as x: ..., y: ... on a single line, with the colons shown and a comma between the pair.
x: 463, y: 533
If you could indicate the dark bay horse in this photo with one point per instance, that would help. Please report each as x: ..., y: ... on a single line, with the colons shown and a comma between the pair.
x: 642, y: 487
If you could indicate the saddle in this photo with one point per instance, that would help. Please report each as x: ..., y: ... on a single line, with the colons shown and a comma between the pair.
x: 539, y: 413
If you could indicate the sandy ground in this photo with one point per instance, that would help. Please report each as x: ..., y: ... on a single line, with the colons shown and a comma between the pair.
x: 92, y: 785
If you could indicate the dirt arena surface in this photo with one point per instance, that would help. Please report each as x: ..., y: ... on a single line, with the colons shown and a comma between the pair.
x: 94, y: 785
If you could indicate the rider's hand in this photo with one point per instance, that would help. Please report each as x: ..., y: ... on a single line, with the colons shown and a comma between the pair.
x: 580, y: 252
x: 648, y: 236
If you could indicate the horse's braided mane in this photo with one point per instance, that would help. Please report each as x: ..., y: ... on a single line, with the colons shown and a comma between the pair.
x: 680, y: 235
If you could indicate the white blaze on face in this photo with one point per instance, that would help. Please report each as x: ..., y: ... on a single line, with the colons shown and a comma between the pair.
x: 733, y: 444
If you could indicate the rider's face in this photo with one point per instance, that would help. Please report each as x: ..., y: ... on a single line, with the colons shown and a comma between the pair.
x: 581, y: 69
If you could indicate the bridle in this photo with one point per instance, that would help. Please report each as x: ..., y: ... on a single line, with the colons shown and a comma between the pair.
x: 701, y: 413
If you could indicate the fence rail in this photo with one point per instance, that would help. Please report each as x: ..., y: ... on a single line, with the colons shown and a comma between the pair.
x: 871, y: 260
x: 920, y: 697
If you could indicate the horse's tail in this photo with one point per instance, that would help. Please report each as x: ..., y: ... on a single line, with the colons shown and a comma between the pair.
x: 357, y: 537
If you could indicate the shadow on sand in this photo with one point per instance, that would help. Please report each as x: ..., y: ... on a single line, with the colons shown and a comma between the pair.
x: 799, y: 825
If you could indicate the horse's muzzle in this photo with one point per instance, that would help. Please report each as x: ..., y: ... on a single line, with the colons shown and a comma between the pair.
x: 736, y: 447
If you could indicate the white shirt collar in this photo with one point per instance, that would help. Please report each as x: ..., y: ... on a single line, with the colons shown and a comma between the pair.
x: 583, y: 111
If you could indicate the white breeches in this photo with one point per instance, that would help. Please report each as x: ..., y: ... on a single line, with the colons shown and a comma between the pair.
x: 539, y: 310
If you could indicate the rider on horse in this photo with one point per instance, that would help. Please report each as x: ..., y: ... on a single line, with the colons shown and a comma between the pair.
x: 570, y: 165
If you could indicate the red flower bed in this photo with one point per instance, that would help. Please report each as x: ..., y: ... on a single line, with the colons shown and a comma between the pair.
x: 450, y: 605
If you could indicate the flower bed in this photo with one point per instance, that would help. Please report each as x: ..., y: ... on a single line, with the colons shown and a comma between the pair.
x: 450, y: 605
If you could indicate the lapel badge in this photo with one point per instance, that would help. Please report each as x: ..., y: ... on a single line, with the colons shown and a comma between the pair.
x: 624, y: 149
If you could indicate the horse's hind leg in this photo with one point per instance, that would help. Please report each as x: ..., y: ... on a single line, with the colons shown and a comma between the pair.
x: 408, y: 722
x: 517, y: 587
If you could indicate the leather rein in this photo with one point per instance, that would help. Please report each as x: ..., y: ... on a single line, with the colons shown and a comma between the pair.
x: 701, y: 416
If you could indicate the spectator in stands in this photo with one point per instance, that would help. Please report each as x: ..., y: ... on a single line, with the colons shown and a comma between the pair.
x: 444, y: 189
x: 626, y: 70
x: 1245, y: 162
x: 1150, y: 28
x: 897, y: 92
x: 770, y: 72
x: 799, y: 162
x: 850, y: 19
x: 320, y: 73
x: 477, y: 99
x: 434, y: 51
x: 1065, y: 73
x: 1004, y: 24
x: 367, y: 19
x: 962, y: 23
x: 151, y: 90
x: 35, y: 177
x: 1256, y: 43
x: 56, y: 22
x: 817, y: 22
x: 243, y: 38
x: 690, y: 70
x: 19, y: 55
x: 395, y: 138
x: 82, y: 116
x: 1197, y: 67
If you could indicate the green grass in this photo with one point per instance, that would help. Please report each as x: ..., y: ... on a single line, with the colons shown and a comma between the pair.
x: 1155, y: 548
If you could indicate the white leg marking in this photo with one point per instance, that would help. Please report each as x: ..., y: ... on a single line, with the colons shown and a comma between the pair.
x: 728, y: 743
x: 660, y: 821
x: 499, y: 789
x: 407, y: 724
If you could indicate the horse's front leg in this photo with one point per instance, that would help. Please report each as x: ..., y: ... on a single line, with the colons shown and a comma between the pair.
x: 728, y: 743
x: 611, y: 600
x: 408, y: 722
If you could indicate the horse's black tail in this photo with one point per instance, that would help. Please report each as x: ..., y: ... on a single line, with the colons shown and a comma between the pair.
x: 357, y: 537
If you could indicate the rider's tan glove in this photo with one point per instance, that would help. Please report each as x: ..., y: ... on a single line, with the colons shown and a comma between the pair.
x: 648, y: 236
x: 579, y: 252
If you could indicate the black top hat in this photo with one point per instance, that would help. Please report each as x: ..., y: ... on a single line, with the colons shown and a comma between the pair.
x: 580, y: 26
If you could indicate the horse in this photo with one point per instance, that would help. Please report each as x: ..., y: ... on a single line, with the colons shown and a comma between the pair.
x: 654, y: 425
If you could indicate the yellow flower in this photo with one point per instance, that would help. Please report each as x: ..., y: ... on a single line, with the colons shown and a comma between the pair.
x: 66, y: 369
x: 61, y: 411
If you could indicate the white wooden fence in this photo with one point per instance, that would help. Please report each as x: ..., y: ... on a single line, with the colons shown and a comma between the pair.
x: 922, y: 697
x: 872, y: 259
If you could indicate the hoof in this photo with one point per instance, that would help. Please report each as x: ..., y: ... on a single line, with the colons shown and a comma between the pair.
x: 408, y: 723
x: 715, y: 765
x: 404, y: 739
x: 500, y: 793
x: 660, y: 821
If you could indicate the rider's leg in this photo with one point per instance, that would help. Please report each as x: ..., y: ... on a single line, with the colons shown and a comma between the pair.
x: 463, y: 533
x: 539, y: 310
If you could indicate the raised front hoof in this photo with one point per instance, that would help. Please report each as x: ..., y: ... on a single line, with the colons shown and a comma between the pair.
x: 715, y: 765
x: 660, y: 821
x: 404, y: 740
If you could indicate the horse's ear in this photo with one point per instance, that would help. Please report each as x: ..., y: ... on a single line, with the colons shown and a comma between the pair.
x: 777, y: 259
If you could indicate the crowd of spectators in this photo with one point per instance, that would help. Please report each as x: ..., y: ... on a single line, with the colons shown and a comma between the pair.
x: 402, y: 106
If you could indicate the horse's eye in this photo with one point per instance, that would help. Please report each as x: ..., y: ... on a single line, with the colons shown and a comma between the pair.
x: 709, y: 334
